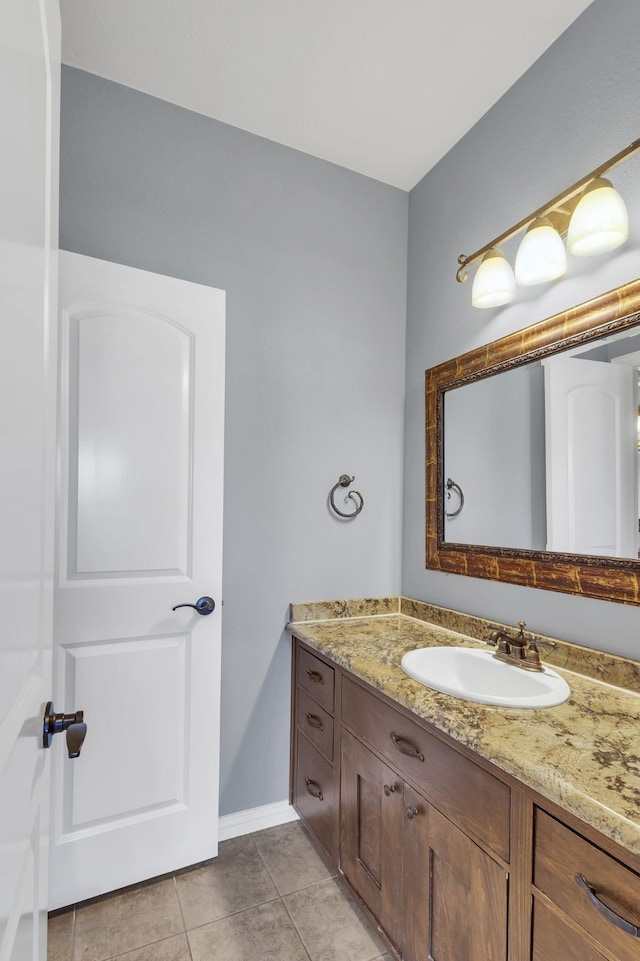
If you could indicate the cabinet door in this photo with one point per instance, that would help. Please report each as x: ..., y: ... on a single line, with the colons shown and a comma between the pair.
x: 416, y: 876
x: 468, y: 902
x: 371, y: 833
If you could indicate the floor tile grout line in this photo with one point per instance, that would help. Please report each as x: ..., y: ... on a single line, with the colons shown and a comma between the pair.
x: 365, y: 924
x: 312, y: 884
x: 233, y: 914
x: 273, y: 901
x: 73, y: 934
x: 284, y: 894
x: 184, y: 923
x: 266, y: 866
x: 140, y: 947
x: 297, y: 930
x: 154, y: 940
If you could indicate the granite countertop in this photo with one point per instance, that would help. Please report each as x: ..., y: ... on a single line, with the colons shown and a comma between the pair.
x: 584, y: 754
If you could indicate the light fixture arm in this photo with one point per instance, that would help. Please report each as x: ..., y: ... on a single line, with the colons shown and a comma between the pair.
x: 551, y: 205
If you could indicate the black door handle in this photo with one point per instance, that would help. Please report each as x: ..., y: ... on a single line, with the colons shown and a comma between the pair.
x: 204, y: 606
x: 73, y: 724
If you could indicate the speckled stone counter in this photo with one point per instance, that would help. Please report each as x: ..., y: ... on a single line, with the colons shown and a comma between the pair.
x: 584, y: 754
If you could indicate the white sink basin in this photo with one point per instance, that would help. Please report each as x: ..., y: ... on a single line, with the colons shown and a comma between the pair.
x: 478, y: 676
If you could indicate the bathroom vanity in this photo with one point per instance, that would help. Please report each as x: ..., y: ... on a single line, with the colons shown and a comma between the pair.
x: 468, y: 832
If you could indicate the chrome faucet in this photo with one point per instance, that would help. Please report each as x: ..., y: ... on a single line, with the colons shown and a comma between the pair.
x: 517, y: 650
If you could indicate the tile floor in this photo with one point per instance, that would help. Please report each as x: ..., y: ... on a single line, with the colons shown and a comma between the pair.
x: 268, y: 896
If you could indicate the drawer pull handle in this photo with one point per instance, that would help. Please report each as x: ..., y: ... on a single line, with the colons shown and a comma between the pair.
x: 606, y: 911
x: 390, y: 789
x: 314, y: 793
x: 412, y: 813
x: 314, y: 721
x: 315, y: 676
x: 406, y: 747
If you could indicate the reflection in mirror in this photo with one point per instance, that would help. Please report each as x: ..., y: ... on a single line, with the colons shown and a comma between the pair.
x: 494, y: 449
x: 546, y: 453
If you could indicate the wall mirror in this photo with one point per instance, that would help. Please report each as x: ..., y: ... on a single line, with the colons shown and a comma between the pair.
x: 532, y: 454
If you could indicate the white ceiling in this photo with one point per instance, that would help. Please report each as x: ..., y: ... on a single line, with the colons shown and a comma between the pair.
x: 383, y: 87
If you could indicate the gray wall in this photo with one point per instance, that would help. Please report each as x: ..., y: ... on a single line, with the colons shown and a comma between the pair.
x: 494, y: 449
x: 313, y: 259
x: 577, y: 106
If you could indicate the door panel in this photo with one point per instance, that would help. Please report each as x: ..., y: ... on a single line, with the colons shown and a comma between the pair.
x: 29, y: 110
x: 371, y: 832
x: 94, y: 672
x: 139, y: 532
x: 130, y: 477
x: 592, y: 498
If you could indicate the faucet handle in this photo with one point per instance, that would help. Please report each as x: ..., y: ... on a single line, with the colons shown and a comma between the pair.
x: 532, y: 657
x: 501, y: 640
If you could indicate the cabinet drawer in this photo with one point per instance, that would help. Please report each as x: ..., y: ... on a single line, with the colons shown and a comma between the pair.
x: 560, y: 855
x: 315, y: 794
x: 317, y: 679
x: 555, y: 938
x: 470, y: 797
x: 315, y: 723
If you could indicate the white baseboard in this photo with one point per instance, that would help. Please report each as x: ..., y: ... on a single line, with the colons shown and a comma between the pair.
x: 255, y: 819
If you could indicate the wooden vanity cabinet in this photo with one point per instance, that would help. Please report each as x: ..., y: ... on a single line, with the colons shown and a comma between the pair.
x: 453, y: 861
x: 433, y: 890
x: 408, y: 821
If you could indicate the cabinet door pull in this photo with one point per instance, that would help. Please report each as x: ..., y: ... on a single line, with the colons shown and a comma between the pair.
x: 412, y: 813
x: 314, y: 793
x: 314, y: 721
x: 619, y: 922
x: 389, y: 789
x: 406, y: 747
x: 315, y: 676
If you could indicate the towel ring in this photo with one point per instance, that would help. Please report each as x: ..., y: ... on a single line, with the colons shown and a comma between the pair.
x: 343, y: 481
x: 451, y: 485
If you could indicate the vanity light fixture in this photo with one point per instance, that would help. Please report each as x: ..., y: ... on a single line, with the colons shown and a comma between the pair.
x: 592, y: 216
x: 599, y: 222
x: 494, y: 283
x: 541, y: 255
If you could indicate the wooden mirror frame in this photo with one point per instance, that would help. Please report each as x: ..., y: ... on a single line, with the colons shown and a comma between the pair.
x: 606, y: 578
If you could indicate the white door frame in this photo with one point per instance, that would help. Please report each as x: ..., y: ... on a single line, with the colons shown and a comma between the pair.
x: 29, y: 112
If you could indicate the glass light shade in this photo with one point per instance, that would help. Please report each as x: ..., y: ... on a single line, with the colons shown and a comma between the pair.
x: 599, y: 222
x: 541, y: 255
x: 494, y: 283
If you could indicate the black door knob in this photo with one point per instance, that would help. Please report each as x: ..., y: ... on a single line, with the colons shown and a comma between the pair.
x: 204, y: 605
x: 73, y: 724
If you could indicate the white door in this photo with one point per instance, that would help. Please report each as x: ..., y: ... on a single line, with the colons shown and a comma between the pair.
x: 591, y: 449
x: 29, y: 96
x: 139, y: 532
